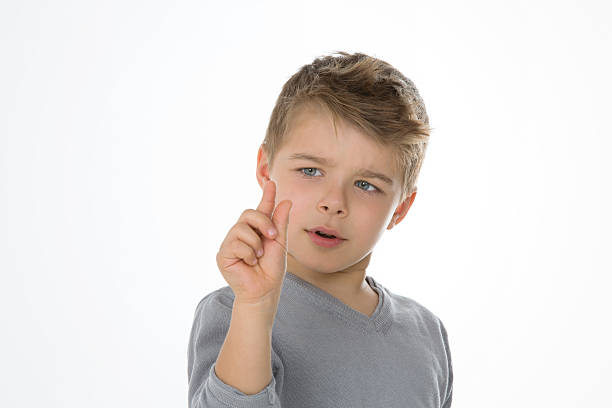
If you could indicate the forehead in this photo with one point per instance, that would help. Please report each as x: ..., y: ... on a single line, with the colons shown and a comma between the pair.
x: 312, y: 131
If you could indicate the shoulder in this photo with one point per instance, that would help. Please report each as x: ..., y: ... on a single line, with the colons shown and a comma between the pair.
x: 215, y: 305
x: 415, y: 318
x: 407, y: 310
x: 409, y: 305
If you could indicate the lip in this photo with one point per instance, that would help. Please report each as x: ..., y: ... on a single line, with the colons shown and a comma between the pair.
x: 324, y: 242
x: 327, y: 231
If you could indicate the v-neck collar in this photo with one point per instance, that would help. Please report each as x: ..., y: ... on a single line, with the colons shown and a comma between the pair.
x: 379, y: 321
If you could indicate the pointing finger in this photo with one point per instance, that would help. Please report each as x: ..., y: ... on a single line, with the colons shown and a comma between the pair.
x: 266, y: 205
x: 281, y: 220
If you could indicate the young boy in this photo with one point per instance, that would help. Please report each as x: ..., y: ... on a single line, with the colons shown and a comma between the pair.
x: 301, y: 324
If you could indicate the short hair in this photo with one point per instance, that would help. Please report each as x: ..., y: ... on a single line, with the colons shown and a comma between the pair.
x: 366, y: 92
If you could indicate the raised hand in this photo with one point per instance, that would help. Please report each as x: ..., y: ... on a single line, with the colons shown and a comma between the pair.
x: 256, y: 278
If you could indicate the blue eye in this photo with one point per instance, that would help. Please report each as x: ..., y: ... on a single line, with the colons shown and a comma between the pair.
x: 309, y: 168
x: 369, y: 191
x: 375, y: 191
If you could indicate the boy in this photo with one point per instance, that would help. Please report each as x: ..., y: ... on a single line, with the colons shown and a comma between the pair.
x: 301, y: 324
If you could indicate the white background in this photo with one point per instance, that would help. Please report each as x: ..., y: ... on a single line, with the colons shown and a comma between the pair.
x: 128, y: 141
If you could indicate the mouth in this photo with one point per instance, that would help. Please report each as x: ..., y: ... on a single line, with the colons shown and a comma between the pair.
x: 325, y: 232
x: 324, y: 240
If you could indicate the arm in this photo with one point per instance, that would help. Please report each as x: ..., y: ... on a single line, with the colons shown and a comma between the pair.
x: 214, y: 339
x: 233, y: 368
x: 244, y: 359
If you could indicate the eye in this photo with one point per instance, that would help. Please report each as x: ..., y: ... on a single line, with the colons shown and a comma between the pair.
x: 308, y: 168
x: 375, y: 190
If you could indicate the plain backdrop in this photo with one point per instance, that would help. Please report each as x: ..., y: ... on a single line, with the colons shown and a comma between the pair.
x: 128, y: 143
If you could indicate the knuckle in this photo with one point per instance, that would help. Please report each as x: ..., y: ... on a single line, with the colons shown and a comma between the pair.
x: 252, y: 232
x: 245, y: 226
x: 238, y: 229
x: 244, y: 249
x: 265, y: 224
x: 233, y: 231
x: 255, y: 215
x: 250, y: 256
x: 245, y: 231
x: 235, y: 245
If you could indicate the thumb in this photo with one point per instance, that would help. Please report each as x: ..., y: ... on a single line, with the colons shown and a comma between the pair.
x: 281, y: 220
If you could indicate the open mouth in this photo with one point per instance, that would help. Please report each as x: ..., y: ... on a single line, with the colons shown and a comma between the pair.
x: 324, y: 235
x: 324, y: 240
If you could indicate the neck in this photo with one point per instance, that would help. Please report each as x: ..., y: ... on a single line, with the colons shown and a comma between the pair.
x: 348, y: 283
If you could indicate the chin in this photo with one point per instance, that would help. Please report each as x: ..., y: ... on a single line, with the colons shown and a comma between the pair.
x: 322, y: 267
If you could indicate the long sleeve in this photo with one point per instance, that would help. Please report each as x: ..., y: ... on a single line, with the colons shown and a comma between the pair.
x: 324, y: 353
x: 206, y: 390
x: 449, y: 387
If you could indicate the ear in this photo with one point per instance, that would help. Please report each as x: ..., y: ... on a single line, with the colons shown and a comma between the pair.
x: 402, y: 209
x: 262, y: 173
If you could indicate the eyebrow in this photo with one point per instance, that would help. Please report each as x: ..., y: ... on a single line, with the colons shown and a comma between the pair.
x: 327, y: 162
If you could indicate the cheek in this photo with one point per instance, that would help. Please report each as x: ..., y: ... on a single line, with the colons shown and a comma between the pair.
x: 370, y: 219
x: 368, y: 224
x: 298, y: 202
x: 290, y: 191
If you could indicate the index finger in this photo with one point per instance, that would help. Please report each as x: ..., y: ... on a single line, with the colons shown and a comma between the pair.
x: 266, y: 205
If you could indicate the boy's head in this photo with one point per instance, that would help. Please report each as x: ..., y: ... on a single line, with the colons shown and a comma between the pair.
x: 367, y: 93
x: 360, y: 113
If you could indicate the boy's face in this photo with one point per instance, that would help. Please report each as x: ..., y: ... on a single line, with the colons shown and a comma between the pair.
x: 335, y: 195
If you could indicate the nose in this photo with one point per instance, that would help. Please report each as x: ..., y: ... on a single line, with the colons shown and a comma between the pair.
x: 332, y: 207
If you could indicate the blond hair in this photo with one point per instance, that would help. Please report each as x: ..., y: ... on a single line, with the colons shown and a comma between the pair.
x: 365, y: 92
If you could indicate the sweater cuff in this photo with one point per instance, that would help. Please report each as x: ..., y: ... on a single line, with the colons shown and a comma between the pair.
x: 233, y: 397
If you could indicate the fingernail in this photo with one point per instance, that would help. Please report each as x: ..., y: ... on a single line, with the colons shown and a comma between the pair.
x: 272, y: 232
x: 259, y: 252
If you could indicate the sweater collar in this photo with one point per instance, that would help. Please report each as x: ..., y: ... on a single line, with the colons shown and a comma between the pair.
x: 379, y: 321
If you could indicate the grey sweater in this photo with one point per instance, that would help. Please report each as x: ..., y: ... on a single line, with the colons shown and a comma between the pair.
x: 326, y: 354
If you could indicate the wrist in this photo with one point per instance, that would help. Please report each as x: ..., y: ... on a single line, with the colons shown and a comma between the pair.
x: 259, y: 311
